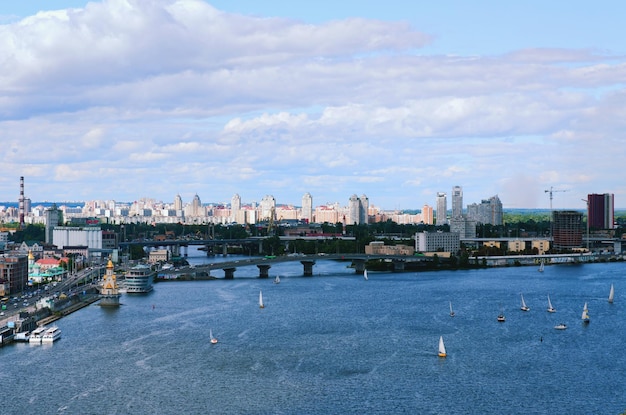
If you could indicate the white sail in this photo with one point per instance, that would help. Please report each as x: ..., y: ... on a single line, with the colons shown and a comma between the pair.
x: 451, y: 311
x: 524, y: 306
x: 261, y: 305
x: 541, y: 266
x: 442, y: 348
x: 277, y: 280
x: 551, y: 309
x: 585, y: 315
x: 611, y: 294
x: 365, y: 274
x: 212, y: 339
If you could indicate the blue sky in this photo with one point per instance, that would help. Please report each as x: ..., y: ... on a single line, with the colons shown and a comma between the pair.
x: 123, y: 99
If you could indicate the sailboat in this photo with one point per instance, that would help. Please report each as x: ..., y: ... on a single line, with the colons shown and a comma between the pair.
x: 611, y: 294
x: 541, y: 266
x: 365, y: 274
x: 451, y: 311
x: 442, y: 348
x: 213, y: 339
x: 261, y: 305
x: 524, y: 307
x: 277, y: 280
x: 585, y: 315
x: 501, y: 317
x: 550, y: 308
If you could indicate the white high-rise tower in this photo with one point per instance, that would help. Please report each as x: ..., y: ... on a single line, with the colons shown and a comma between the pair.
x: 442, y: 207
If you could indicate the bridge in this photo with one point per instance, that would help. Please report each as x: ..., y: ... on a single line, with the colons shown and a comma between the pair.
x: 307, y: 261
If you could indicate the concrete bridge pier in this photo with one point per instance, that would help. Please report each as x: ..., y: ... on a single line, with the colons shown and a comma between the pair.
x: 308, y: 268
x: 264, y: 270
x: 186, y: 250
x: 359, y: 266
x: 398, y: 266
x: 229, y: 273
x: 225, y: 250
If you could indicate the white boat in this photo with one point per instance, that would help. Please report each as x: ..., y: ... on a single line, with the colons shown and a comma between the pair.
x: 213, y: 339
x: 611, y: 294
x: 23, y: 336
x: 550, y: 308
x: 501, y: 317
x: 261, y: 305
x: 277, y: 280
x: 541, y: 266
x: 37, y: 335
x: 451, y: 310
x: 51, y: 335
x: 524, y: 307
x: 365, y: 274
x: 561, y: 326
x: 139, y: 279
x: 442, y: 348
x: 585, y: 315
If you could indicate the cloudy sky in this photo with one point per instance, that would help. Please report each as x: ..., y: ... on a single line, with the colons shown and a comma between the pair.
x: 124, y: 99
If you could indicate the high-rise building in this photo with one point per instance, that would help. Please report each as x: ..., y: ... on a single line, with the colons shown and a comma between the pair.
x: 442, y: 207
x: 600, y: 211
x: 427, y: 214
x: 307, y: 207
x: 53, y: 219
x: 457, y: 202
x: 235, y: 205
x: 178, y: 203
x: 268, y: 207
x: 488, y: 212
x: 364, y: 209
x: 196, y: 206
x: 358, y: 210
x: 567, y: 229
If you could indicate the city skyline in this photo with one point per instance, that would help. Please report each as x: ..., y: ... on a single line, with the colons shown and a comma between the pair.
x: 121, y: 100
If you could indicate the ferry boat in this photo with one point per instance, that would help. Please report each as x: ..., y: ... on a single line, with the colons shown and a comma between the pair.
x: 23, y: 336
x: 51, y: 335
x: 139, y: 279
x: 37, y: 335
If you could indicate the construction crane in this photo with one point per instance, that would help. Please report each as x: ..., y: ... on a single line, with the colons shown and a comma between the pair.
x: 551, y: 191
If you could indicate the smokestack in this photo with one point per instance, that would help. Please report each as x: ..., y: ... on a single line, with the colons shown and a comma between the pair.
x: 21, y: 202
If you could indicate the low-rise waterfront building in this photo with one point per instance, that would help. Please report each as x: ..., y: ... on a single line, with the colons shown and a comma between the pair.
x: 437, y: 241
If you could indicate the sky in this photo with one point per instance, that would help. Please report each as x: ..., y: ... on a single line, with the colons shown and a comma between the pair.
x: 396, y: 100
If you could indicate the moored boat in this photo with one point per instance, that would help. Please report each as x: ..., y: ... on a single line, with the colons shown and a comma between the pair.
x: 561, y: 326
x: 37, y: 335
x: 139, y: 279
x: 51, y: 335
x: 23, y: 336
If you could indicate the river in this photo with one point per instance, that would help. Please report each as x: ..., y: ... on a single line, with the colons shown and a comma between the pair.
x: 335, y: 343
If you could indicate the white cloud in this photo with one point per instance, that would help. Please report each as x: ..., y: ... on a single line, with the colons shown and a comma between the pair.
x: 229, y: 103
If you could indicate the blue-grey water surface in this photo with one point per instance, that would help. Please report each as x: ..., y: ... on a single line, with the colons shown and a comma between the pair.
x: 337, y: 344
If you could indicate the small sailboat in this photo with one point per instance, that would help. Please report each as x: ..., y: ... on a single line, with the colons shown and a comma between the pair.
x: 442, y: 348
x: 550, y: 308
x: 277, y: 280
x: 501, y: 317
x: 261, y: 305
x: 611, y: 294
x: 365, y: 274
x: 585, y: 315
x: 451, y: 310
x: 541, y: 266
x: 524, y: 307
x: 213, y: 339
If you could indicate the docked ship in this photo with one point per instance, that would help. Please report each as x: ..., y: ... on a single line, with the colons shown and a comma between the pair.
x: 51, y: 335
x: 139, y: 279
x: 37, y: 334
x: 109, y: 290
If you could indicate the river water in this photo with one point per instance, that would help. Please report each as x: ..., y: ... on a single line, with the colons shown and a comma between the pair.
x: 335, y: 343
